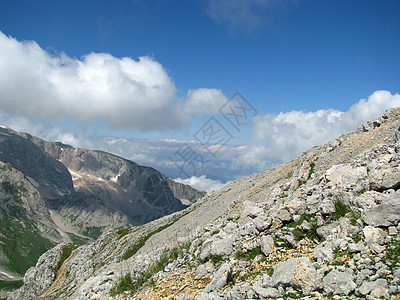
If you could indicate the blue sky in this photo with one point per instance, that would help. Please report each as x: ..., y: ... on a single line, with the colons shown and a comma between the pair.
x: 304, y: 66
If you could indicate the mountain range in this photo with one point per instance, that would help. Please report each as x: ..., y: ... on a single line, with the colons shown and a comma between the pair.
x: 52, y: 193
x: 325, y: 225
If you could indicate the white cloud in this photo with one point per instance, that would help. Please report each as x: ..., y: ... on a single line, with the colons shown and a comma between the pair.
x: 48, y: 132
x: 98, y: 88
x: 202, y: 183
x: 203, y: 101
x: 121, y: 92
x: 246, y: 14
x: 282, y: 137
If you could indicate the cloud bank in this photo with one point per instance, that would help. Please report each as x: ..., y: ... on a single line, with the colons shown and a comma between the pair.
x: 282, y: 137
x: 120, y: 92
x: 202, y: 183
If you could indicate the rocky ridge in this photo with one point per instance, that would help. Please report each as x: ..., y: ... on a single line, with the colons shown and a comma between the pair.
x: 52, y: 193
x: 325, y: 225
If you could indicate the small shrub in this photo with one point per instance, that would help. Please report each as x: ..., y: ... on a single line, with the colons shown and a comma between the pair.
x: 216, y: 258
x: 124, y: 231
x: 270, y: 271
x: 298, y: 234
x: 341, y: 209
x: 355, y: 215
x: 312, y: 166
x: 253, y: 253
x: 392, y: 253
x: 361, y: 192
x: 125, y: 284
x: 312, y: 233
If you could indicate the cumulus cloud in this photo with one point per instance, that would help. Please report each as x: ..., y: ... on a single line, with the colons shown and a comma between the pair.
x: 238, y: 13
x: 203, y: 101
x: 48, y: 132
x: 202, y: 183
x: 281, y: 137
x: 121, y: 92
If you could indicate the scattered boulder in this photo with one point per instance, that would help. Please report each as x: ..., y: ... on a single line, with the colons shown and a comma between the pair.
x: 221, y: 278
x: 385, y: 214
x: 267, y: 245
x: 297, y: 272
x: 339, y: 282
x: 217, y: 245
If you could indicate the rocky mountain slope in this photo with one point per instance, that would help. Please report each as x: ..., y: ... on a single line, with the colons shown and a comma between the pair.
x: 51, y: 192
x: 323, y: 226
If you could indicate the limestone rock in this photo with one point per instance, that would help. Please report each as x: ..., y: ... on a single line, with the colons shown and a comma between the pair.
x: 385, y: 214
x: 297, y: 272
x: 221, y: 278
x: 339, y: 282
x: 267, y: 245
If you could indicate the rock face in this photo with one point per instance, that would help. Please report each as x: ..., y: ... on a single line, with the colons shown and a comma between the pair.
x: 51, y: 192
x: 323, y: 225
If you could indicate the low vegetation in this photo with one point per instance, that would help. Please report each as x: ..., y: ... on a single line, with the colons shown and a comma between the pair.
x: 127, y: 284
x: 15, y: 235
x: 65, y: 253
x: 140, y: 243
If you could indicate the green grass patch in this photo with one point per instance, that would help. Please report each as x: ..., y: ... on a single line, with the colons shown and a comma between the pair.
x: 216, y: 258
x: 65, y: 253
x: 341, y: 209
x: 392, y: 253
x: 10, y: 285
x: 344, y: 210
x: 93, y: 231
x: 127, y: 284
x: 15, y: 189
x: 298, y: 234
x: 363, y: 191
x: 21, y: 243
x: 312, y: 166
x: 132, y: 250
x: 248, y: 255
x: 124, y: 231
x: 78, y: 240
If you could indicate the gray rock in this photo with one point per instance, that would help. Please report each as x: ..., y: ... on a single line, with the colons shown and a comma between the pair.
x: 266, y: 293
x: 221, y: 278
x: 327, y: 230
x: 305, y: 226
x: 39, y: 278
x: 323, y: 252
x: 217, y: 246
x: 267, y: 245
x: 384, y: 179
x: 374, y: 235
x: 356, y: 247
x: 385, y: 214
x: 368, y: 286
x: 393, y: 230
x: 283, y: 215
x: 204, y: 270
x: 251, y: 210
x: 339, y: 282
x: 262, y: 223
x: 380, y: 293
x: 297, y: 272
